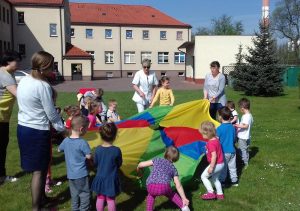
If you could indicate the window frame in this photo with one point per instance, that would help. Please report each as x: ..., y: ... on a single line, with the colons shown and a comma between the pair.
x: 105, y: 34
x: 86, y: 33
x: 179, y: 57
x: 50, y: 30
x: 129, y: 37
x: 23, y: 18
x: 161, y: 35
x: 148, y: 35
x: 131, y: 54
x: 111, y: 57
x: 177, y: 37
x: 147, y: 57
x: 164, y: 54
x: 23, y: 54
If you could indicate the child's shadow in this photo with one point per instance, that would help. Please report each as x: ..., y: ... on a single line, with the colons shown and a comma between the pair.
x: 239, y: 162
x: 131, y: 188
x: 189, y: 188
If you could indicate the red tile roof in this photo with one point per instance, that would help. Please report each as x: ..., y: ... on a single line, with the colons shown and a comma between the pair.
x: 73, y: 51
x: 117, y: 14
x: 37, y: 2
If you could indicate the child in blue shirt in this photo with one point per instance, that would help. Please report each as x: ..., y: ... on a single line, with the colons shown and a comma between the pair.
x: 226, y: 134
x: 77, y: 151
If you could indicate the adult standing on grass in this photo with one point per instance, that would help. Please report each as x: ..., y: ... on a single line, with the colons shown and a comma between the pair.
x: 214, y: 89
x: 8, y: 92
x: 145, y: 85
x: 36, y: 111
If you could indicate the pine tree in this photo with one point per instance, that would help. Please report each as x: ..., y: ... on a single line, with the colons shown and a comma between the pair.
x: 262, y: 75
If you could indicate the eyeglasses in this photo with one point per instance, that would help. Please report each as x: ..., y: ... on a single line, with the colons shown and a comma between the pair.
x: 146, y: 67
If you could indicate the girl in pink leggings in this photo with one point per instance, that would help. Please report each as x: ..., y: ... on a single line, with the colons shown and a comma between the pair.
x: 158, y: 183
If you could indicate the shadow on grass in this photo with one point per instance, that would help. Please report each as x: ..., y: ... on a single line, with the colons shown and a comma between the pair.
x: 240, y: 164
x: 58, y: 159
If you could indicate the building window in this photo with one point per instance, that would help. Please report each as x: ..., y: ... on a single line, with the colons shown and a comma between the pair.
x: 3, y: 14
x: 108, y: 33
x: 7, y: 16
x: 179, y: 35
x: 129, y: 74
x: 55, y: 68
x: 128, y: 34
x: 129, y: 57
x: 163, y: 57
x: 180, y: 74
x: 163, y: 35
x: 109, y: 57
x: 1, y: 50
x: 72, y: 32
x: 0, y: 14
x: 146, y: 55
x: 179, y: 57
x: 92, y: 53
x: 22, y: 49
x: 4, y: 46
x: 53, y: 30
x: 163, y: 73
x: 109, y: 74
x: 21, y: 19
x: 145, y: 34
x: 8, y: 45
x: 89, y: 33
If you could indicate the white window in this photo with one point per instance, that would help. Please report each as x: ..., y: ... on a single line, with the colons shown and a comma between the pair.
x: 89, y: 33
x: 179, y: 35
x: 146, y: 55
x: 109, y: 57
x: 108, y: 33
x: 163, y: 35
x: 53, y: 30
x: 179, y: 57
x: 163, y: 57
x: 128, y: 34
x: 72, y: 32
x: 92, y: 53
x: 145, y: 34
x: 129, y: 57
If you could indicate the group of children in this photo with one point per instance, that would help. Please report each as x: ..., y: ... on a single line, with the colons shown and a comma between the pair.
x: 221, y: 153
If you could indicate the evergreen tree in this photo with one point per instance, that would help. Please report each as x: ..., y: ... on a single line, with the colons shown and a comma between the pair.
x: 262, y: 75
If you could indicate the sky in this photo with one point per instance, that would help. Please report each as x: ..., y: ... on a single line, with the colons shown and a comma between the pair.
x: 199, y: 13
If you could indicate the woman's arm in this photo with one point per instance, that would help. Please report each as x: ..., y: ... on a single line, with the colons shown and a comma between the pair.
x: 172, y: 98
x: 137, y: 89
x: 180, y: 190
x: 205, y: 93
x: 221, y: 86
x: 212, y: 162
x: 12, y: 89
x: 153, y: 92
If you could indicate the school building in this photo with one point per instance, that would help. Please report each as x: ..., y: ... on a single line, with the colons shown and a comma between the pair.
x: 90, y: 41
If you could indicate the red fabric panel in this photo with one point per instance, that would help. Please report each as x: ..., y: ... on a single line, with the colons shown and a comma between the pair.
x: 133, y: 123
x: 84, y: 90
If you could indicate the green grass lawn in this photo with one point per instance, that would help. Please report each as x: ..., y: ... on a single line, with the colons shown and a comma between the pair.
x: 271, y: 182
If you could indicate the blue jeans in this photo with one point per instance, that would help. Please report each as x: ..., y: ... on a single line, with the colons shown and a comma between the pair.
x: 80, y: 193
x: 213, y: 108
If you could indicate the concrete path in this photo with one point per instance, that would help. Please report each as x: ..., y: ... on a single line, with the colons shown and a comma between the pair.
x: 119, y: 84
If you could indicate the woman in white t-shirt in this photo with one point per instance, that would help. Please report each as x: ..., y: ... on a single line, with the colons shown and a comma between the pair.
x: 145, y: 86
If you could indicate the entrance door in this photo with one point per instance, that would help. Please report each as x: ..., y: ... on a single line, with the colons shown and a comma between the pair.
x: 76, y: 71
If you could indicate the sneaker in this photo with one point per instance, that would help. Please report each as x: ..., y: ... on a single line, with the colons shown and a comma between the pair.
x: 185, y: 208
x: 220, y: 196
x: 235, y: 184
x: 246, y: 166
x: 8, y: 179
x: 208, y: 196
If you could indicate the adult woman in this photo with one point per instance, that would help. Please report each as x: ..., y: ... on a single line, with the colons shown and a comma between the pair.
x: 36, y: 111
x: 145, y: 85
x: 8, y: 92
x: 214, y: 89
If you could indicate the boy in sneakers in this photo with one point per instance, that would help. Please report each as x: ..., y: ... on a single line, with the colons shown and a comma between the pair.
x: 244, y: 129
x: 226, y: 134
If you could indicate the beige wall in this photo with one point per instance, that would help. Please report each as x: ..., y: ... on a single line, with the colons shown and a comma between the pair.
x: 86, y: 67
x: 5, y: 28
x: 220, y: 48
x: 35, y: 33
x: 119, y: 43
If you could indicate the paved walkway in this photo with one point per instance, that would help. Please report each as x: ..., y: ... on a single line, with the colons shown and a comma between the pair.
x: 119, y: 84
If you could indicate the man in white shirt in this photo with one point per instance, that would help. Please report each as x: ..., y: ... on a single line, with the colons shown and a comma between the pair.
x: 145, y: 86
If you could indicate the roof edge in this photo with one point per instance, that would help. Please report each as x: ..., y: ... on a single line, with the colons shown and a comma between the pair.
x: 138, y: 25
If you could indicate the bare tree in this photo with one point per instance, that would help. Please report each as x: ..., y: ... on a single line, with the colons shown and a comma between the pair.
x: 286, y: 22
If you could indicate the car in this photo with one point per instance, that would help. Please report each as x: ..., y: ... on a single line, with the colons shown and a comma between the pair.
x: 19, y: 74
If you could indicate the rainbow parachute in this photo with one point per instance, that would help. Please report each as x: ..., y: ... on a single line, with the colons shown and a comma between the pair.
x: 146, y: 135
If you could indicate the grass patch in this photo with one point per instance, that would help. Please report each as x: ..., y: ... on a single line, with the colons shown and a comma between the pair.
x: 270, y: 183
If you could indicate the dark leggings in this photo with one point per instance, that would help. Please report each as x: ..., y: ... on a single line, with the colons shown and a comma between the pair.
x: 213, y: 108
x: 4, y: 131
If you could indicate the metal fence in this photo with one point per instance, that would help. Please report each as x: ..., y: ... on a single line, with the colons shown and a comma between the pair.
x: 226, y: 70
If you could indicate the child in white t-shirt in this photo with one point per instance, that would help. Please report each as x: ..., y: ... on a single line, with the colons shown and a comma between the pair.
x: 112, y: 115
x: 244, y: 128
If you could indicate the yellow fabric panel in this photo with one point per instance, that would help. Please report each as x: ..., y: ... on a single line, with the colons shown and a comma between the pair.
x: 133, y: 143
x: 190, y: 114
x: 6, y: 106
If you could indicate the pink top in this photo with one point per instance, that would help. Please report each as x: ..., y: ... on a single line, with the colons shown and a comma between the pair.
x: 92, y: 119
x: 214, y: 146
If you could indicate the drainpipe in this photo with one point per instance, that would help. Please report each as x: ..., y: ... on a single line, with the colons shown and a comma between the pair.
x: 121, y: 65
x: 61, y: 41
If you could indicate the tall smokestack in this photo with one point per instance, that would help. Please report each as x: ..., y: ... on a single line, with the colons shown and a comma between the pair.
x: 265, y: 12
